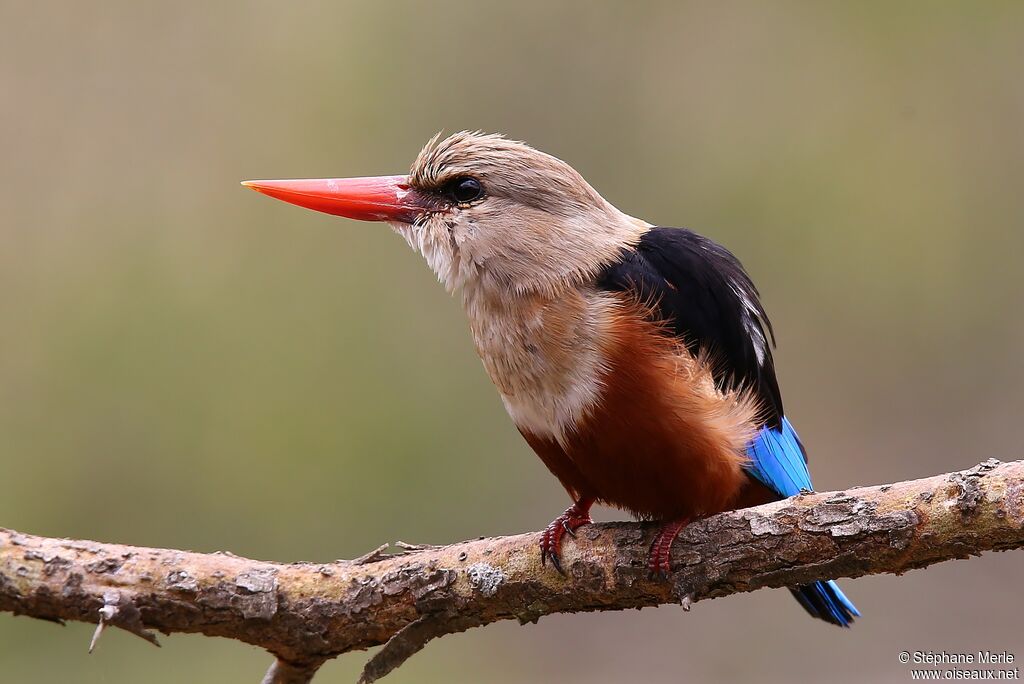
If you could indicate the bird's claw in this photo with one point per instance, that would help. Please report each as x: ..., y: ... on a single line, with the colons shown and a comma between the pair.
x: 659, y: 559
x: 574, y: 517
x: 556, y: 562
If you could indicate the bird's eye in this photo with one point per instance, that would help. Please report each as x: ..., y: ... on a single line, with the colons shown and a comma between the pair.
x: 465, y: 190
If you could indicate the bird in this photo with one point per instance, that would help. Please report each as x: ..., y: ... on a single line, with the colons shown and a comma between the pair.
x: 636, y: 360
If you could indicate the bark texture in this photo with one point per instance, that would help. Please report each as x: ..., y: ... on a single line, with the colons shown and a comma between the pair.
x: 307, y: 613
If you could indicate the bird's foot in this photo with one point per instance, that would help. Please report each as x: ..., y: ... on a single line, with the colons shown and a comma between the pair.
x: 575, y: 516
x: 659, y: 560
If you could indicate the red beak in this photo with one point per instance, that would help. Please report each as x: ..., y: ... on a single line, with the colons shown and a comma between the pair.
x: 378, y: 198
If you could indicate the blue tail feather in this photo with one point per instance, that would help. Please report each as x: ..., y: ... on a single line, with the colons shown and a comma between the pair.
x: 826, y: 601
x: 778, y: 461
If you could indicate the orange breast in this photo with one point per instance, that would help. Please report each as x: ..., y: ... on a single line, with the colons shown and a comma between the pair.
x: 661, y: 442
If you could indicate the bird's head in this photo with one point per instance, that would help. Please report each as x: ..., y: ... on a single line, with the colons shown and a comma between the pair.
x: 487, y: 213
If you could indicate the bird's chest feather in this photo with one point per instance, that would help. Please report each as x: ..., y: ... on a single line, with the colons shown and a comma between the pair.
x: 615, y: 409
x: 547, y: 356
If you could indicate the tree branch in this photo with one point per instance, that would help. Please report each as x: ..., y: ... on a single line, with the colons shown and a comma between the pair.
x: 307, y: 613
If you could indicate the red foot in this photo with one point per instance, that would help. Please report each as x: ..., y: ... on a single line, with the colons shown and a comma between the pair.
x: 659, y: 561
x: 575, y: 516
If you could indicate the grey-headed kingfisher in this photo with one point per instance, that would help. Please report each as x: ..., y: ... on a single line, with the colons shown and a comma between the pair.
x: 636, y: 360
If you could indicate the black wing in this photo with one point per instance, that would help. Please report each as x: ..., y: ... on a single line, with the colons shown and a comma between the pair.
x: 702, y: 292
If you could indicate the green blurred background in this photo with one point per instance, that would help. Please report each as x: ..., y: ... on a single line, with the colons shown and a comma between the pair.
x: 184, y: 363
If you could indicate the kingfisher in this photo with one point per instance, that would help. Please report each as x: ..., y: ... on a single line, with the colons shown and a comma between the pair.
x: 635, y: 360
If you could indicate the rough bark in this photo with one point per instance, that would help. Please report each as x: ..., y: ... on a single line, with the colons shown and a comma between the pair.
x: 306, y: 613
